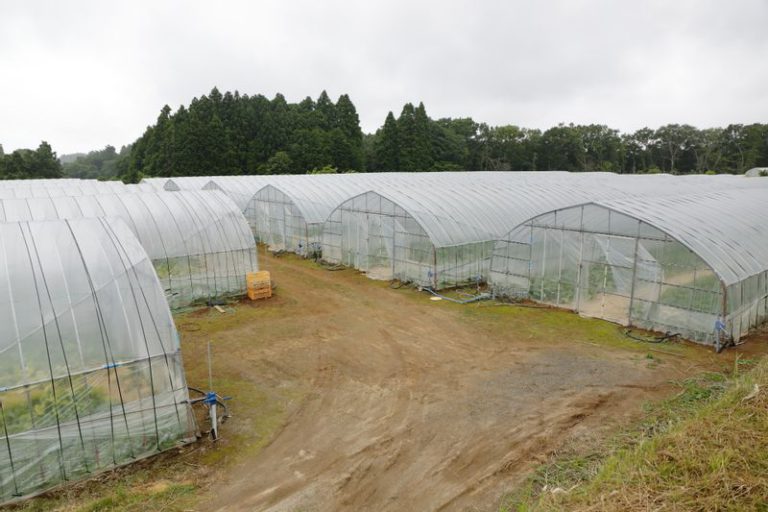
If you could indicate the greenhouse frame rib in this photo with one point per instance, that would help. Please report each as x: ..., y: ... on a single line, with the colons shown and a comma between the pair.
x: 92, y: 376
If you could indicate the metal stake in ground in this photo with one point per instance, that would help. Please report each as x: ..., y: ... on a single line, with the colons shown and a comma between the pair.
x: 210, y: 398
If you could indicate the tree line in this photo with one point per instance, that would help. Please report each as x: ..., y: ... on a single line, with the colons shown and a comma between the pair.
x: 413, y: 142
x: 22, y: 164
x: 103, y: 164
x: 231, y: 134
x: 240, y: 134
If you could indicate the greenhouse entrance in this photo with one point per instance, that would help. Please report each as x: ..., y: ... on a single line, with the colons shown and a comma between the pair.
x: 370, y: 245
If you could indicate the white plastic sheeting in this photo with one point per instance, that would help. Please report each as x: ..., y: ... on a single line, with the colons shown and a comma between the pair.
x: 199, y: 242
x: 670, y: 263
x: 42, y: 183
x: 757, y: 172
x: 289, y: 215
x: 438, y: 229
x: 71, y: 189
x: 453, y: 218
x: 186, y: 183
x: 157, y: 184
x: 90, y: 370
x: 242, y: 188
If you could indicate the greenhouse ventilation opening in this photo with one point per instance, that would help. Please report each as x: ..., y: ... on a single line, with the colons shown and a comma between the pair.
x: 91, y: 375
x: 692, y: 265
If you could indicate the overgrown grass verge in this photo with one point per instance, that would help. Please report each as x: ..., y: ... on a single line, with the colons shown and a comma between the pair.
x: 704, y: 449
x: 135, y: 488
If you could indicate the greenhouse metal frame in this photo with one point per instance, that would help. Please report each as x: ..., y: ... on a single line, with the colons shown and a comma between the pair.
x: 91, y: 375
x: 691, y: 265
x: 199, y: 242
x: 289, y: 215
x: 438, y: 234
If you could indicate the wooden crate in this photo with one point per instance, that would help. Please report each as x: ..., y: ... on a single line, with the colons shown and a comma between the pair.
x: 259, y: 285
x: 256, y: 294
x: 260, y: 279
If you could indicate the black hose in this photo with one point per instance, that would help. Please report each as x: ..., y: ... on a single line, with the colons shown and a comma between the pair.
x: 655, y: 339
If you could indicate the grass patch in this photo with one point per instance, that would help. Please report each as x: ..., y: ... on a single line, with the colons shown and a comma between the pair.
x: 127, y: 489
x: 704, y: 449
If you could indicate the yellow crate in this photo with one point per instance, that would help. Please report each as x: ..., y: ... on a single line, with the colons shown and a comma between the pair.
x: 263, y: 293
x: 260, y: 279
x: 259, y: 285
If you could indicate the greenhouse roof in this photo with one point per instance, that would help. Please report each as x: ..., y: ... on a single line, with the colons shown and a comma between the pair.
x: 167, y: 224
x: 454, y: 213
x: 466, y: 207
x: 66, y: 188
x: 316, y: 198
x: 186, y: 183
x: 242, y: 188
x: 75, y: 263
x: 727, y: 229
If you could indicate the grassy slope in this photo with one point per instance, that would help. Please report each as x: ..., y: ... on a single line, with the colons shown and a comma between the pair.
x: 705, y: 449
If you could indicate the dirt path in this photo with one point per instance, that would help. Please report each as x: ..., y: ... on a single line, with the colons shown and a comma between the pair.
x: 416, y: 405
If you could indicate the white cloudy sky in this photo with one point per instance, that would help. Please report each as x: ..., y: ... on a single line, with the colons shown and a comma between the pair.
x: 83, y: 74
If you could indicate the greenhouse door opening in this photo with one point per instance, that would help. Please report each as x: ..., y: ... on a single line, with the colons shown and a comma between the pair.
x: 369, y: 245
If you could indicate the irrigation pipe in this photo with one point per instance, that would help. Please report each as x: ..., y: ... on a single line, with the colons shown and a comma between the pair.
x: 475, y: 298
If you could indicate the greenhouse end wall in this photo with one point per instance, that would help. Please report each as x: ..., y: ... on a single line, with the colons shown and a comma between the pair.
x: 374, y: 234
x: 277, y: 222
x: 91, y: 375
x: 199, y: 243
x: 608, y: 265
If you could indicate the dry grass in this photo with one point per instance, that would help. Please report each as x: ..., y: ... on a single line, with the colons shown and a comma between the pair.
x: 706, y: 450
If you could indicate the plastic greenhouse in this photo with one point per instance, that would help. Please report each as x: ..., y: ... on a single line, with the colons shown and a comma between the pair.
x: 157, y: 184
x: 186, y: 183
x: 440, y: 234
x: 58, y: 182
x: 694, y: 265
x: 289, y: 216
x: 72, y: 189
x: 241, y: 189
x: 199, y: 242
x: 91, y: 375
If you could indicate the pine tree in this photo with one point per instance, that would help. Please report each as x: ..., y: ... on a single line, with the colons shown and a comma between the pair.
x: 423, y: 139
x: 348, y: 122
x: 407, y: 143
x: 326, y: 112
x: 387, y: 146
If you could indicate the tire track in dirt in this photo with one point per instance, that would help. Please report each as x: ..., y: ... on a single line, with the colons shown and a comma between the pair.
x: 413, y: 407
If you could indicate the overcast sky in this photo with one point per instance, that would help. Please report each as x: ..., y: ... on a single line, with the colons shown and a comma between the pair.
x: 83, y: 74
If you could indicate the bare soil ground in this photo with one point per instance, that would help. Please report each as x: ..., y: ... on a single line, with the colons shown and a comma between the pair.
x: 351, y: 395
x: 411, y: 404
